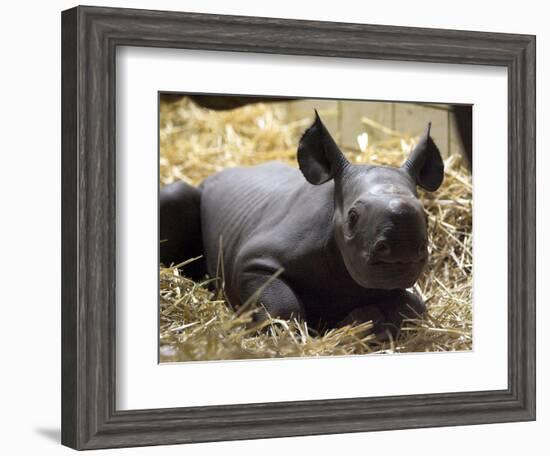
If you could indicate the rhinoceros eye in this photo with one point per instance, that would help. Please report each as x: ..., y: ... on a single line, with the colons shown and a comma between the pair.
x: 353, y: 217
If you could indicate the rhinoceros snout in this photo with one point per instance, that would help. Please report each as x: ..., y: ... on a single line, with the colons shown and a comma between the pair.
x: 398, y: 251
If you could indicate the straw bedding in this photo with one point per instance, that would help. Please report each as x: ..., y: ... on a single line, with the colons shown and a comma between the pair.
x: 197, y: 324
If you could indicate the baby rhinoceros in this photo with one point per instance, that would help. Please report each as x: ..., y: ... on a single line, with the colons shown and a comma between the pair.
x: 348, y: 238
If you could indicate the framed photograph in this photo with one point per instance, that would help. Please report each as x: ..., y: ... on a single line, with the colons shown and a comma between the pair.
x: 279, y: 228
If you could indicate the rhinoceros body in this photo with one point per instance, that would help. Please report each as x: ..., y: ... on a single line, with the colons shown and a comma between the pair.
x: 330, y: 243
x: 267, y: 218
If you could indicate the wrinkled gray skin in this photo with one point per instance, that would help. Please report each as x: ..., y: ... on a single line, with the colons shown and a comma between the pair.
x: 348, y: 238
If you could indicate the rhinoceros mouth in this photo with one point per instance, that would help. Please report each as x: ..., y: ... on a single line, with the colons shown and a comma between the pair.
x: 390, y: 275
x: 398, y: 263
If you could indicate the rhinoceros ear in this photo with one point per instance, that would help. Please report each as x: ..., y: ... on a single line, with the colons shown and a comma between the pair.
x: 319, y: 158
x: 425, y: 164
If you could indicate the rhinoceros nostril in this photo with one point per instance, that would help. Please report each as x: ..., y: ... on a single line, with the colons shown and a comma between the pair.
x: 381, y: 248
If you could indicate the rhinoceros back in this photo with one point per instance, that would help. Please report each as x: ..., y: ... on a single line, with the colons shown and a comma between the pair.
x: 243, y: 206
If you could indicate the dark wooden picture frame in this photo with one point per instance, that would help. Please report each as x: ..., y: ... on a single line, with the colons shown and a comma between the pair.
x: 90, y: 36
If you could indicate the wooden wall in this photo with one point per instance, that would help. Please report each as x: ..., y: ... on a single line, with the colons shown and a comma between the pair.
x: 343, y: 119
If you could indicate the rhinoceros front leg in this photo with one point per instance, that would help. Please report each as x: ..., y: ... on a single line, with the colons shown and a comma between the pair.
x: 372, y: 313
x: 387, y: 313
x: 276, y: 297
x: 402, y: 305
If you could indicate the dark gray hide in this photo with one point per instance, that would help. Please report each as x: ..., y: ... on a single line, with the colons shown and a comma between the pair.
x: 349, y: 238
x: 180, y: 228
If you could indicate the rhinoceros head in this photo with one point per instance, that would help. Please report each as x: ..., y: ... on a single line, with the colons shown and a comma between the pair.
x: 379, y: 224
